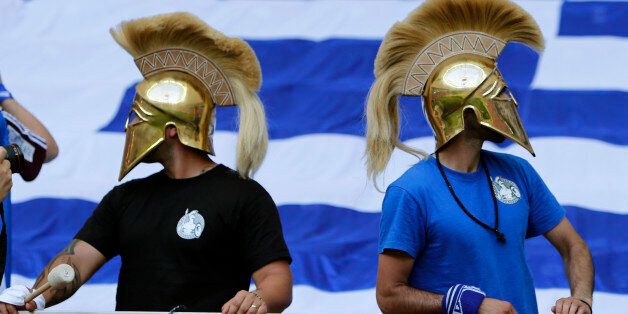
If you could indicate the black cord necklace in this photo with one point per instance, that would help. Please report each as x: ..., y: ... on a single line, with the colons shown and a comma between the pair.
x: 500, y: 235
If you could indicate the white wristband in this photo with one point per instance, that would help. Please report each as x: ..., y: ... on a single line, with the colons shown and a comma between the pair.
x: 15, y: 295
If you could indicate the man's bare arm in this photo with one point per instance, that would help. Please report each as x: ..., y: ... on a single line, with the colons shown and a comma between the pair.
x: 85, y: 260
x: 274, y: 285
x: 394, y: 294
x: 14, y: 108
x: 578, y: 265
x: 32, y: 123
x: 273, y: 293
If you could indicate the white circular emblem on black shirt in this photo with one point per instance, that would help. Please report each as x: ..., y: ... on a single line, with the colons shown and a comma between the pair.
x: 506, y: 191
x: 191, y: 225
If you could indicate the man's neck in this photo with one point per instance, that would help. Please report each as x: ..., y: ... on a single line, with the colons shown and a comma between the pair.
x: 184, y: 162
x: 462, y: 153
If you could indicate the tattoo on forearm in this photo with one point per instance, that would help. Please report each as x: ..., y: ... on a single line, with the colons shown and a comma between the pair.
x: 64, y: 257
x: 70, y: 248
x: 60, y: 295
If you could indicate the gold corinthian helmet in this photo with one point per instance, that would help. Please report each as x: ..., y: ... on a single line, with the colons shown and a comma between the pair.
x: 446, y: 51
x: 190, y: 68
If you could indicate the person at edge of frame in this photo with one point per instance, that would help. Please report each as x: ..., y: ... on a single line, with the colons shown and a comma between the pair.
x: 193, y: 235
x: 453, y: 225
x: 20, y: 127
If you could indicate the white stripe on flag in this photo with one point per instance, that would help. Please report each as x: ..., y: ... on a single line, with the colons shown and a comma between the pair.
x: 567, y: 64
x: 89, y: 166
x: 276, y: 19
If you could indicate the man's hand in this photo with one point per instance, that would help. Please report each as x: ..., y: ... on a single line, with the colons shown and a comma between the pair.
x: 12, y: 300
x: 494, y: 306
x: 6, y: 182
x: 8, y: 308
x: 570, y: 305
x: 245, y: 302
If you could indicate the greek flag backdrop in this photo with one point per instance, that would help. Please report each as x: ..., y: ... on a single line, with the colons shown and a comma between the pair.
x: 58, y: 59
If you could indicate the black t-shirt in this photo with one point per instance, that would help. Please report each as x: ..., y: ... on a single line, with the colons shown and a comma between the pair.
x: 193, y: 242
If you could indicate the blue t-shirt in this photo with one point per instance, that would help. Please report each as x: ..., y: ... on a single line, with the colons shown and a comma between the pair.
x: 421, y: 218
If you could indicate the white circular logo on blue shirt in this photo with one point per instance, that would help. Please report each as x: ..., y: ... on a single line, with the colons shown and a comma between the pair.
x: 506, y: 191
x: 191, y: 225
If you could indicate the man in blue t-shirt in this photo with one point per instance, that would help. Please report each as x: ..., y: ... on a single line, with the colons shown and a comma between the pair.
x: 454, y: 225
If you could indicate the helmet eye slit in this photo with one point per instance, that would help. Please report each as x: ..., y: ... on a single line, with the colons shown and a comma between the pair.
x: 133, y: 118
x: 137, y: 114
x: 140, y: 110
x: 490, y: 90
x: 505, y: 95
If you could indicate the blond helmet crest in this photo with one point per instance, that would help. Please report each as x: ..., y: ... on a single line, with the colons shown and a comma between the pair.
x: 189, y: 69
x: 446, y: 51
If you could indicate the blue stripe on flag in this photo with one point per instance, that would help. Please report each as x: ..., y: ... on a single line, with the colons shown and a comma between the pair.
x: 44, y: 227
x: 320, y: 87
x: 336, y: 250
x: 603, y: 234
x: 595, y: 18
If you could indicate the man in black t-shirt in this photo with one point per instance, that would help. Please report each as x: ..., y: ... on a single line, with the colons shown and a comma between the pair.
x: 193, y: 241
x: 193, y: 235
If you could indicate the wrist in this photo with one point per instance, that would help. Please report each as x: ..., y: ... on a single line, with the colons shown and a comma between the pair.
x: 585, y: 298
x: 466, y: 299
x: 587, y: 301
x: 257, y: 293
x: 40, y: 302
